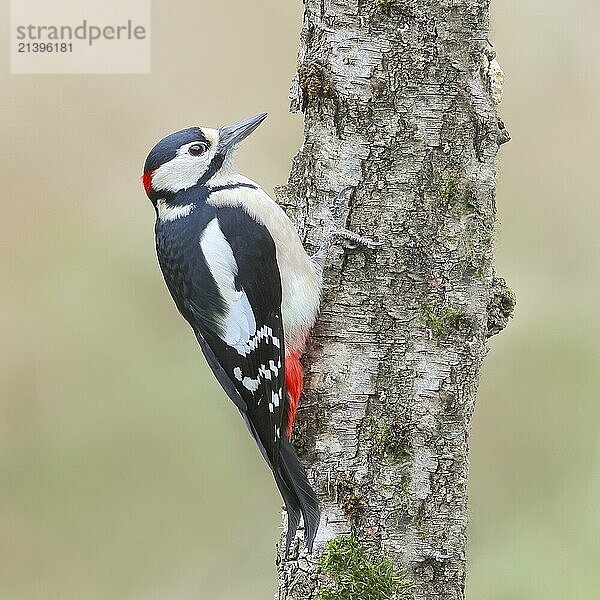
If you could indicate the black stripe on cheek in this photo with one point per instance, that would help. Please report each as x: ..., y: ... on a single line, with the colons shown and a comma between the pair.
x: 215, y: 164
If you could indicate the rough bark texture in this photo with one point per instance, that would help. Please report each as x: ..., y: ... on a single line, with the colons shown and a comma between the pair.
x: 399, y: 101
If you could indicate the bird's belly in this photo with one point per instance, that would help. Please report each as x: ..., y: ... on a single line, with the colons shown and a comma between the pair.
x: 300, y: 293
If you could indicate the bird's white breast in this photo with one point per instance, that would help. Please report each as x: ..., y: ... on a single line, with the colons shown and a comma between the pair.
x: 300, y: 278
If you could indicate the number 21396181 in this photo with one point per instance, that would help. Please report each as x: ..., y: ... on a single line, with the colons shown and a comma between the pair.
x: 45, y: 47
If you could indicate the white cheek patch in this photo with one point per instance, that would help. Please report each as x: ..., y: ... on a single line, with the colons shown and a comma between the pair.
x: 238, y: 325
x: 183, y: 171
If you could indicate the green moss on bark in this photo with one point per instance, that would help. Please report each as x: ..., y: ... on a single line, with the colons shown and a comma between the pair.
x: 440, y: 320
x: 445, y: 186
x: 308, y: 424
x: 389, y: 438
x: 357, y: 576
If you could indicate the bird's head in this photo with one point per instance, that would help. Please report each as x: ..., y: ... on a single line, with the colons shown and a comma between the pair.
x: 194, y: 155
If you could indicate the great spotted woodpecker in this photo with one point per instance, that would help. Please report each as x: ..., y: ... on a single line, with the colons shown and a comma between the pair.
x: 238, y: 273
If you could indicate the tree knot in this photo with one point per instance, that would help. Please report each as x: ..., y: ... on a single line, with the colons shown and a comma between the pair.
x: 314, y: 83
x: 500, y: 307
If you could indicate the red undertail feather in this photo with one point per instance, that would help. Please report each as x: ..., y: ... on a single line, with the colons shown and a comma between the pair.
x: 293, y: 382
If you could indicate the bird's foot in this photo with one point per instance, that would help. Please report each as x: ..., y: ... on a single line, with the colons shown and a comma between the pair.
x: 351, y: 240
x: 354, y: 240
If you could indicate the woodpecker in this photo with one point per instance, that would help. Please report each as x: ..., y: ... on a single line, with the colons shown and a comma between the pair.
x: 238, y: 273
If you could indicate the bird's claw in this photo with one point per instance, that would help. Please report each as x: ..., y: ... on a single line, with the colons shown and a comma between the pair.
x: 354, y: 240
x: 351, y: 240
x: 344, y: 194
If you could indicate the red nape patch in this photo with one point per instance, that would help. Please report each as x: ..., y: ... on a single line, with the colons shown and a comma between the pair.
x: 147, y: 181
x: 293, y: 382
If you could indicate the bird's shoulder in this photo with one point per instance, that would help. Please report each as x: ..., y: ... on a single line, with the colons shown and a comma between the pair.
x: 245, y: 195
x: 239, y: 191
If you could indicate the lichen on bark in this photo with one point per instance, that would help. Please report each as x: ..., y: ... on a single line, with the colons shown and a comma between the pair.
x: 399, y: 103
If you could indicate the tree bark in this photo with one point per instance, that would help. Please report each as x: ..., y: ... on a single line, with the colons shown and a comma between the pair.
x: 399, y: 99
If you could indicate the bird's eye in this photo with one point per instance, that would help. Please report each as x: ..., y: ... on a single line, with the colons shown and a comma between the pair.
x: 198, y: 149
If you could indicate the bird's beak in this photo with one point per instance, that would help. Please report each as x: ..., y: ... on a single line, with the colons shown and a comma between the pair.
x: 233, y: 135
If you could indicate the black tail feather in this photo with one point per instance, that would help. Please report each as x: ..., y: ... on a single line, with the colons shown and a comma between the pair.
x: 291, y: 507
x: 298, y: 495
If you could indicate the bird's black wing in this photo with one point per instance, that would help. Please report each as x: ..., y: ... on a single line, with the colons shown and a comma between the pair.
x: 244, y: 344
x: 230, y: 292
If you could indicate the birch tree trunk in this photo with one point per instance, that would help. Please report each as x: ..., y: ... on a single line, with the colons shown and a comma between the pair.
x: 399, y: 99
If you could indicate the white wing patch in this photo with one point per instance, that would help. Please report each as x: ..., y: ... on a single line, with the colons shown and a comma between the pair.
x: 300, y: 279
x: 239, y: 325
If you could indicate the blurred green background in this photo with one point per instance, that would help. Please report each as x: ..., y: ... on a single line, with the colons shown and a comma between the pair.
x: 124, y: 473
